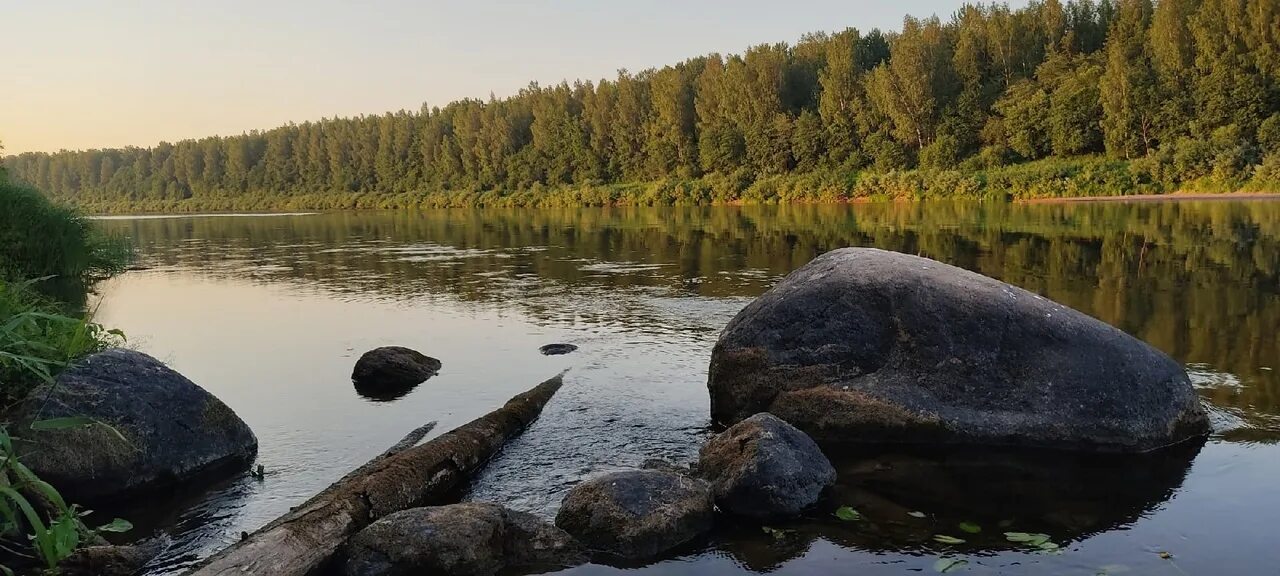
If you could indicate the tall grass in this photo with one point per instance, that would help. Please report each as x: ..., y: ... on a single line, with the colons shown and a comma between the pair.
x: 38, y: 339
x: 39, y: 239
x: 47, y: 250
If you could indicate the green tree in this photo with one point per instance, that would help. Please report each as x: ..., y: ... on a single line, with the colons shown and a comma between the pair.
x: 1129, y: 99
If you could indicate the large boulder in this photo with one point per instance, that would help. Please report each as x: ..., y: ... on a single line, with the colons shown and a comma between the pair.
x: 763, y: 467
x: 868, y: 346
x: 637, y: 514
x: 157, y: 429
x: 390, y: 372
x: 468, y: 539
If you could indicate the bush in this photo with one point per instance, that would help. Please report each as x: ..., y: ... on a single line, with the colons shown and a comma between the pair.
x: 39, y: 239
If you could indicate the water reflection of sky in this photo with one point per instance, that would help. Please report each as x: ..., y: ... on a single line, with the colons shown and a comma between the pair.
x: 270, y: 313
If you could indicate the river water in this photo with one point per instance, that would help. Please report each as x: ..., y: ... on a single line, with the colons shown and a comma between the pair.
x: 269, y: 313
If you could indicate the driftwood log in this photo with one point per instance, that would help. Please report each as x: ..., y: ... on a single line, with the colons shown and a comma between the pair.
x: 306, y: 539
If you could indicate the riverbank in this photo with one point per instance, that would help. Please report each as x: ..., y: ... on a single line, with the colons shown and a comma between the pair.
x: 1174, y: 197
x: 1051, y: 179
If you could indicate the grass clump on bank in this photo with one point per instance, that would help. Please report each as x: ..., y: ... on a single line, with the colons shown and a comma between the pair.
x: 44, y: 249
x: 38, y: 339
x: 46, y: 252
x: 39, y: 239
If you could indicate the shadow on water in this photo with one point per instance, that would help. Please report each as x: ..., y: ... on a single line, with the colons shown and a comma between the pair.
x: 382, y: 394
x: 906, y: 497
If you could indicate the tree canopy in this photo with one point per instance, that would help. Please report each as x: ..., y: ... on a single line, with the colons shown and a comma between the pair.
x: 1188, y: 90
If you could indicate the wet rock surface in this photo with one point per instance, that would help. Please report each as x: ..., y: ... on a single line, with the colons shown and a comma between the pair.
x: 637, y: 514
x: 868, y: 346
x: 557, y: 349
x: 467, y: 539
x: 158, y: 429
x: 110, y: 560
x: 763, y: 467
x: 390, y: 372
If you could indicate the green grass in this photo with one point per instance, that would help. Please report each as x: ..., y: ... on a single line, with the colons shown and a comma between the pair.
x: 38, y: 339
x: 44, y: 249
x: 47, y: 250
x: 39, y: 239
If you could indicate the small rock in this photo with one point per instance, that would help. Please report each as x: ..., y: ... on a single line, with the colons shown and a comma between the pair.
x: 557, y: 349
x: 637, y: 514
x: 158, y: 429
x: 390, y: 372
x: 763, y: 467
x: 467, y: 539
x: 108, y: 560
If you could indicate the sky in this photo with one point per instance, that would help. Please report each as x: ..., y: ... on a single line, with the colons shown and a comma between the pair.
x: 81, y: 74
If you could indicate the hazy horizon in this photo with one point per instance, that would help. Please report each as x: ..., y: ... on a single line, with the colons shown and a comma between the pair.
x: 96, y: 75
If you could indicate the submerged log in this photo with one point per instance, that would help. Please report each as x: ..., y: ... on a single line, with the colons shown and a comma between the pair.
x: 303, y: 541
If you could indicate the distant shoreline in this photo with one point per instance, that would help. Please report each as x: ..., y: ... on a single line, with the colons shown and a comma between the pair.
x: 1173, y: 197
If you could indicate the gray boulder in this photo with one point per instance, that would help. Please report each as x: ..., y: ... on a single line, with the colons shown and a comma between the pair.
x: 468, y: 539
x: 173, y: 431
x: 868, y: 346
x: 392, y: 371
x: 637, y: 514
x: 763, y: 467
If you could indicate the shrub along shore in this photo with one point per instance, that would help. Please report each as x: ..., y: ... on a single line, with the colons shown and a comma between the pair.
x: 1087, y: 177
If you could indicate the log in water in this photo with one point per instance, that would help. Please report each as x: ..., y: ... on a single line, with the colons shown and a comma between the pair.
x: 306, y: 539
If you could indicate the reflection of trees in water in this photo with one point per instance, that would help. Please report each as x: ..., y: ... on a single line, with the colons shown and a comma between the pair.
x: 1198, y: 280
x: 1068, y: 496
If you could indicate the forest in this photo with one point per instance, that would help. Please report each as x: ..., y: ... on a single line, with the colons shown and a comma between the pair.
x: 1083, y: 98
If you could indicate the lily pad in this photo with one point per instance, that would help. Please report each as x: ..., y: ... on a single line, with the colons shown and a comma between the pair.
x: 944, y: 539
x: 946, y: 565
x: 970, y: 527
x: 1032, y: 539
x: 916, y: 514
x: 848, y: 514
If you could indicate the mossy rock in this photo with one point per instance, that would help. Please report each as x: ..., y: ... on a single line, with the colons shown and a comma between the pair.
x: 158, y: 429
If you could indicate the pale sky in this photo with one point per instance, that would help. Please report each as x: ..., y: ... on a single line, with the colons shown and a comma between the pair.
x: 96, y: 73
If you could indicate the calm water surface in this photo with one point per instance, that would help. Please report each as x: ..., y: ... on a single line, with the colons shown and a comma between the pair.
x: 270, y: 312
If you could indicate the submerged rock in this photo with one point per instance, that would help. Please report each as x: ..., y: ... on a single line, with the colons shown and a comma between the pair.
x: 864, y: 345
x: 557, y: 349
x: 472, y: 538
x: 109, y: 560
x: 160, y: 429
x: 392, y: 371
x: 763, y: 467
x: 637, y: 514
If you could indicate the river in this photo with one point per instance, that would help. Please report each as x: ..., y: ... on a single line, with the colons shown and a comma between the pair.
x: 269, y: 313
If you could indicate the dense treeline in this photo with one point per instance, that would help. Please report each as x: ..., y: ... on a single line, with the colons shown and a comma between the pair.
x: 1140, y: 95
